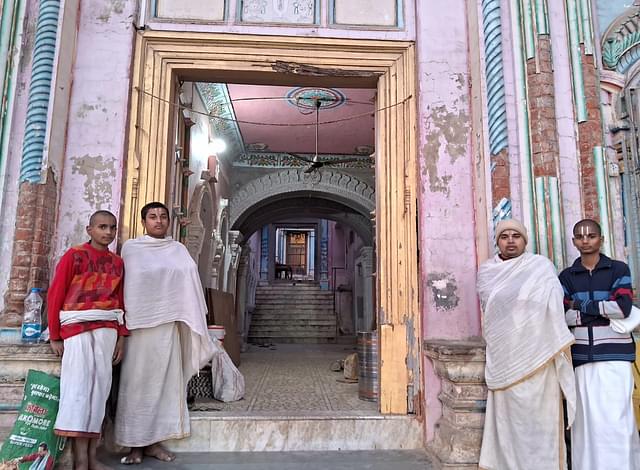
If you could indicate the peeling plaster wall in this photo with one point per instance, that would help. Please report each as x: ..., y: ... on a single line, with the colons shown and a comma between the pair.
x: 446, y: 209
x: 14, y: 154
x: 95, y: 150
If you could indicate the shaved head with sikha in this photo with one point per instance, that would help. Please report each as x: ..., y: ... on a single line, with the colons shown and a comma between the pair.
x: 587, y: 226
x: 97, y: 214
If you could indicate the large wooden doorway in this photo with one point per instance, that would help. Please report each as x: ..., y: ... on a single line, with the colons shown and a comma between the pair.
x: 162, y: 58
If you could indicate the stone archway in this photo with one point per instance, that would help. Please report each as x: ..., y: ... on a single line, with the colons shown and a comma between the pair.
x: 331, y: 185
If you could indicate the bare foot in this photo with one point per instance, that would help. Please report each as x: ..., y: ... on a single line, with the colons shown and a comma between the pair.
x: 159, y: 452
x: 133, y: 458
x: 97, y: 465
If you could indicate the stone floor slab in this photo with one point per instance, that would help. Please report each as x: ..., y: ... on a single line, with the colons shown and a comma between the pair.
x: 343, y: 460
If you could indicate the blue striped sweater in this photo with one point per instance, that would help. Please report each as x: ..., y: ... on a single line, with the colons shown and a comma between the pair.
x: 591, y: 299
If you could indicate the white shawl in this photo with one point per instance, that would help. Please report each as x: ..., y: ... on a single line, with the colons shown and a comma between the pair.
x: 162, y: 285
x: 524, y: 325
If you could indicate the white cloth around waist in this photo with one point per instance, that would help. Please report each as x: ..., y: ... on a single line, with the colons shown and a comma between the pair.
x: 69, y: 317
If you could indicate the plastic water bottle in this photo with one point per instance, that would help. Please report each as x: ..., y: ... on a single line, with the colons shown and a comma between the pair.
x: 32, y: 319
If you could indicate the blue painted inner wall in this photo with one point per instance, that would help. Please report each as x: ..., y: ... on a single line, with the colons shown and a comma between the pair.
x: 609, y: 10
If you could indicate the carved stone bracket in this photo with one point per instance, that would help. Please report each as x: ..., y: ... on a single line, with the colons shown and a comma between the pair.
x: 460, y: 365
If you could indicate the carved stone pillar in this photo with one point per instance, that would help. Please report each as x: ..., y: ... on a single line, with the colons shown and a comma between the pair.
x: 241, y: 295
x: 264, y: 253
x: 458, y: 435
x: 363, y: 290
x: 324, y: 254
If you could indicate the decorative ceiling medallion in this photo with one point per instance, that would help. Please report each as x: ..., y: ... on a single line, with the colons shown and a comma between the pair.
x: 256, y: 146
x: 307, y: 97
x: 363, y: 150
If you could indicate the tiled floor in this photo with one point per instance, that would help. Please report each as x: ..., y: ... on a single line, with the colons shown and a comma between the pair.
x: 294, y: 378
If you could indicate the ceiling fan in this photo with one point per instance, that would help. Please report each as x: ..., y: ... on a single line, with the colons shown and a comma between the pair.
x: 316, y: 162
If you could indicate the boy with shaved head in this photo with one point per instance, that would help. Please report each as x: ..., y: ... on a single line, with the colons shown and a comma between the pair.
x: 597, y: 289
x: 86, y: 325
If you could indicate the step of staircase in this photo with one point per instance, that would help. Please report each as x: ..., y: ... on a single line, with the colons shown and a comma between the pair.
x: 278, y: 432
x: 290, y: 312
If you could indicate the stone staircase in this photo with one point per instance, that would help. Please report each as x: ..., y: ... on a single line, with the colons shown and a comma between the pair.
x: 292, y: 312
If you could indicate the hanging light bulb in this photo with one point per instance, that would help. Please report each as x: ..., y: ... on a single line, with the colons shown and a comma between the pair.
x: 217, y: 146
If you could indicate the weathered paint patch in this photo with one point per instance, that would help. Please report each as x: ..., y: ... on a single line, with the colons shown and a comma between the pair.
x: 84, y: 110
x: 114, y: 6
x: 444, y: 288
x: 79, y: 231
x: 99, y: 178
x: 447, y: 133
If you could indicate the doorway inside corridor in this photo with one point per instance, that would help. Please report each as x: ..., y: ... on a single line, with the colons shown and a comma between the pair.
x: 288, y: 216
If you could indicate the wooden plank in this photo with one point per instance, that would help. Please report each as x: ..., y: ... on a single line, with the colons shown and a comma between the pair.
x: 393, y: 370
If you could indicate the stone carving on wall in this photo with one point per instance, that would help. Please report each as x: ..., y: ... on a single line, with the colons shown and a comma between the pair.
x: 336, y: 185
x: 204, y: 10
x: 279, y: 11
x: 215, y: 97
x: 285, y: 160
x: 235, y: 238
x: 220, y: 241
x: 361, y: 13
x: 621, y: 46
x: 196, y: 230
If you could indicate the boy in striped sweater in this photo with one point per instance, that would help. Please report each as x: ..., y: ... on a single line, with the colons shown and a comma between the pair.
x: 597, y: 289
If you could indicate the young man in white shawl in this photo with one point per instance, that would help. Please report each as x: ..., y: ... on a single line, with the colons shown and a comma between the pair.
x: 528, y: 368
x: 598, y: 294
x: 169, y: 341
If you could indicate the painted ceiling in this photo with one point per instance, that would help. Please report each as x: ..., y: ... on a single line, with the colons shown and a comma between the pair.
x: 277, y: 119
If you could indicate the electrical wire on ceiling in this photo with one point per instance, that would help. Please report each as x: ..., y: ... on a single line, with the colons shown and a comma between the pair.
x: 274, y: 124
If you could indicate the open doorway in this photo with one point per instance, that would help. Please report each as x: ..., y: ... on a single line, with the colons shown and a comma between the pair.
x: 164, y: 61
x: 305, y: 240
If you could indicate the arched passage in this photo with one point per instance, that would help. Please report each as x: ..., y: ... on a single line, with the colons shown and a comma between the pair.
x: 291, y: 189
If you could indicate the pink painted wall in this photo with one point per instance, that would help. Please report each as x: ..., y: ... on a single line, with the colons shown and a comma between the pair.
x: 446, y: 205
x: 95, y: 150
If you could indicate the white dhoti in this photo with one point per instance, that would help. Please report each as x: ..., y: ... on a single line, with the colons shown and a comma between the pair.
x: 85, y: 382
x: 152, y: 401
x: 524, y: 425
x: 604, y: 434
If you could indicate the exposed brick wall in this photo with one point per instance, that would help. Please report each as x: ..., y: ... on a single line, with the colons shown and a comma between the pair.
x: 500, y: 185
x: 590, y: 136
x: 542, y: 112
x: 35, y: 223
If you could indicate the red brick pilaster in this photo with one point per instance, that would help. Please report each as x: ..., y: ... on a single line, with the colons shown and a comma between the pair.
x: 35, y: 223
x: 542, y: 111
x: 500, y: 185
x: 590, y: 136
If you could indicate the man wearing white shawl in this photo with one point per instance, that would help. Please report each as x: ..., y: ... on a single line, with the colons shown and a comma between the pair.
x: 169, y: 342
x: 528, y: 365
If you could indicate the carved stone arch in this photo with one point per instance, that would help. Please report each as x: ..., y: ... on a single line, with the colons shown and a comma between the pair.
x: 621, y: 41
x: 327, y: 184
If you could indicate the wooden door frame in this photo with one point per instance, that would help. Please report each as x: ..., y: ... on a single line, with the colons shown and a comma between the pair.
x: 161, y: 57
